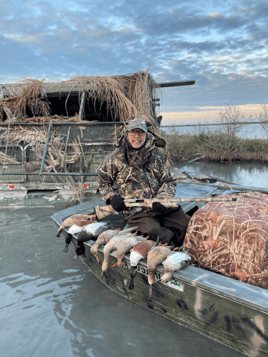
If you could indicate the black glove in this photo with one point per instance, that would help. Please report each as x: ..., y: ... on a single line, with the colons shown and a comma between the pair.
x: 118, y: 204
x: 158, y: 207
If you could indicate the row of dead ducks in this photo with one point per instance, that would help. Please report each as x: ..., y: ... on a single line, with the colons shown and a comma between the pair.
x: 120, y: 243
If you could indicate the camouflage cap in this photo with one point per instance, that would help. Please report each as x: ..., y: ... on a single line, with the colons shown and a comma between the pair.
x: 137, y: 123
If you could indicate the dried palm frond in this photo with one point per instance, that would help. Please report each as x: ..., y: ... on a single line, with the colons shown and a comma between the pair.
x: 28, y: 94
x: 124, y: 97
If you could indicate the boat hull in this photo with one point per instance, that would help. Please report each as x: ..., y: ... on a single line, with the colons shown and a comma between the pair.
x: 226, y: 310
x: 229, y: 322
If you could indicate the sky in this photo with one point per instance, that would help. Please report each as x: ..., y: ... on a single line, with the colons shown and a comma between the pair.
x: 222, y: 45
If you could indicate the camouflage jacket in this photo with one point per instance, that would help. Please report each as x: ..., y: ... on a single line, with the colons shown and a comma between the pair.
x: 149, y: 177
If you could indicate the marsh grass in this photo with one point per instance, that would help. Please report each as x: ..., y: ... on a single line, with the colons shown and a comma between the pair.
x: 217, y: 147
x: 221, y: 144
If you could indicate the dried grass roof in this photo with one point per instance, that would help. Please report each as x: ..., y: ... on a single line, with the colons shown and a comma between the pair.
x: 125, y: 96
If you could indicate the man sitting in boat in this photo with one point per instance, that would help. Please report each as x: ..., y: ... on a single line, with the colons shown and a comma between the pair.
x: 139, y: 169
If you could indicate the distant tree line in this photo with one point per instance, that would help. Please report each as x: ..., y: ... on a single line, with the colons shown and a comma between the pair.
x: 222, y: 143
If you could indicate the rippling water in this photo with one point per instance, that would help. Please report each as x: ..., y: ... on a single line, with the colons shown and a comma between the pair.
x: 244, y: 174
x: 51, y: 305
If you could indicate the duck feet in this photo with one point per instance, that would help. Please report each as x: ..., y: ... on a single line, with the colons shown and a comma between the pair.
x: 90, y: 219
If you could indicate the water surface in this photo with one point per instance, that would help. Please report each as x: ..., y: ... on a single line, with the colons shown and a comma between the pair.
x: 244, y: 174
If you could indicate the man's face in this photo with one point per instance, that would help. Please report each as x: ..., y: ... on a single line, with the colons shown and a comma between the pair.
x: 136, y: 137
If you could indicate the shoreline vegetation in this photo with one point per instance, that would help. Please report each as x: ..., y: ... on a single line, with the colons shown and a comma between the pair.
x: 223, y: 143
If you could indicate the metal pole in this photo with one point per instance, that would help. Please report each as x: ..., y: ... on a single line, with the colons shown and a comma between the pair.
x: 82, y: 122
x: 213, y: 124
x: 177, y: 84
x: 46, y: 147
x: 49, y: 173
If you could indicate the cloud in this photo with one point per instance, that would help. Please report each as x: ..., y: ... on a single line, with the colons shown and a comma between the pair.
x: 223, y: 45
x: 23, y: 38
x: 208, y: 114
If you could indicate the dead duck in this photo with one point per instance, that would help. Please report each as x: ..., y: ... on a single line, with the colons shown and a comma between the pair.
x: 89, y: 232
x: 70, y: 221
x: 105, y: 237
x: 125, y: 247
x: 112, y: 245
x: 77, y: 227
x: 155, y: 257
x: 74, y: 229
x: 139, y: 251
x: 174, y: 262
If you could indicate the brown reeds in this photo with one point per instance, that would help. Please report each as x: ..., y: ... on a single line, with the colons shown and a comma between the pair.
x: 6, y: 159
x: 28, y: 94
x: 124, y: 97
x: 35, y: 138
x: 78, y: 188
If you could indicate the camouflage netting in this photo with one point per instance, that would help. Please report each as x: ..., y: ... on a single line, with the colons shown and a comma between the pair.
x: 231, y: 238
x: 124, y: 97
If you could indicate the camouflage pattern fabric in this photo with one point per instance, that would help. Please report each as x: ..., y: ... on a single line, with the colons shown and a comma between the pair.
x: 232, y: 238
x: 140, y: 174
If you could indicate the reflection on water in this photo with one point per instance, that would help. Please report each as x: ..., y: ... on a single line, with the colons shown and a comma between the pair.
x: 246, y: 174
x: 51, y: 305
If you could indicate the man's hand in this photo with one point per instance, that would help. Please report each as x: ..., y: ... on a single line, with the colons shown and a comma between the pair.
x: 158, y: 207
x: 118, y: 204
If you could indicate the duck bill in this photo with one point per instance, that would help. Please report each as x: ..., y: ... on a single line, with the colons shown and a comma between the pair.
x: 131, y: 285
x: 133, y: 272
